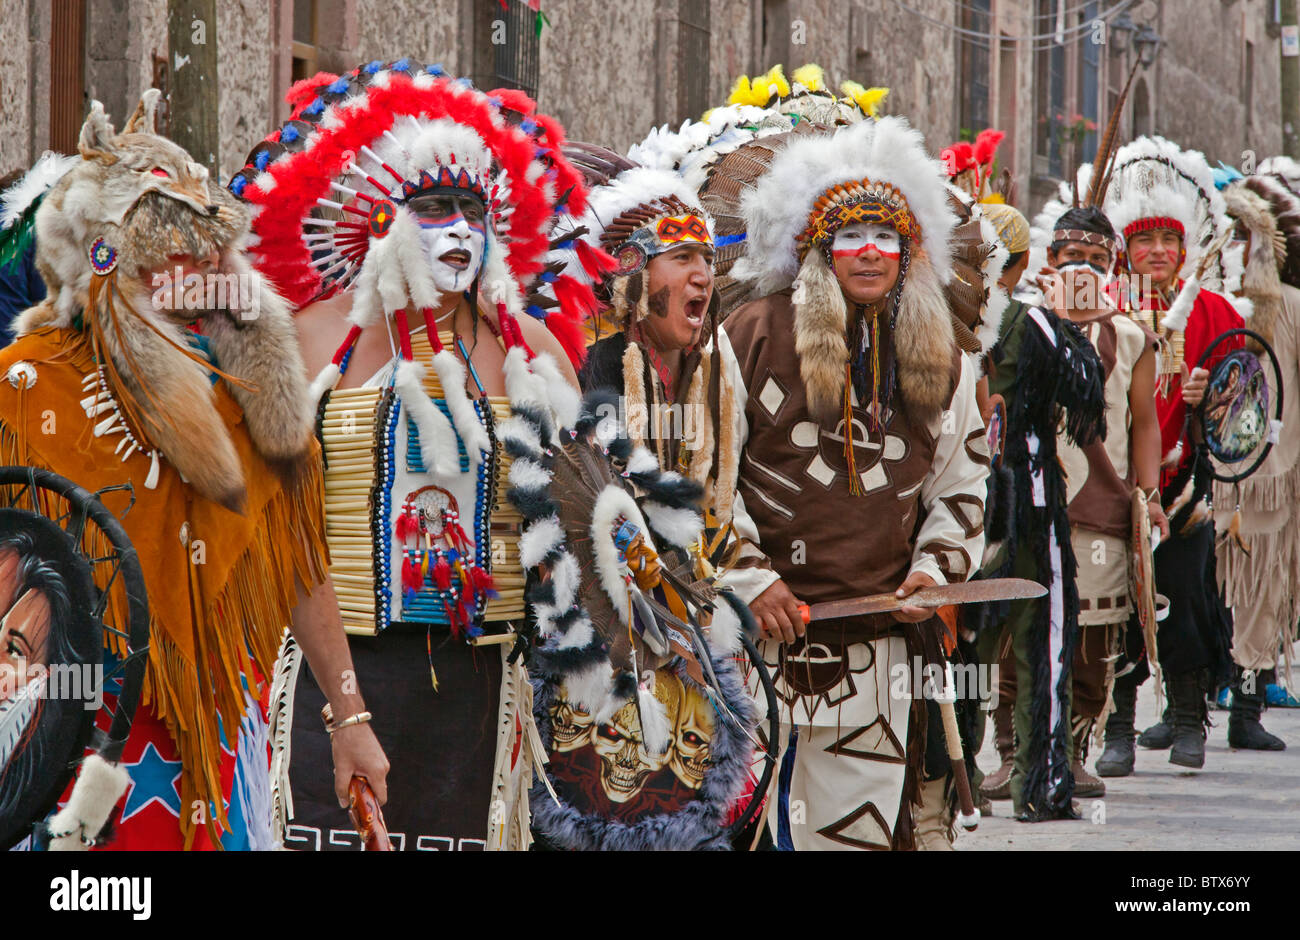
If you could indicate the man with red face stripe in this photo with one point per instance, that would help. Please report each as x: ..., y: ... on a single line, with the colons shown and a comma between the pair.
x: 862, y: 469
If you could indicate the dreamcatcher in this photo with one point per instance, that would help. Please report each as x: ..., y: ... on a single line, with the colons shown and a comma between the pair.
x: 635, y: 653
x: 69, y: 575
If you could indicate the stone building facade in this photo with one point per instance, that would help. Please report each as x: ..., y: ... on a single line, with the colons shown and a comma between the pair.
x: 611, y: 71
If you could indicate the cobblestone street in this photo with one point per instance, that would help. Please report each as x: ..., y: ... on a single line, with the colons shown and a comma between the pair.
x: 1243, y: 800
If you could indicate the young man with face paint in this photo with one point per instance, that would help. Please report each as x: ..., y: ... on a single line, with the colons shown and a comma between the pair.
x: 662, y: 358
x: 1163, y: 202
x: 1050, y: 379
x: 1100, y: 482
x: 862, y: 467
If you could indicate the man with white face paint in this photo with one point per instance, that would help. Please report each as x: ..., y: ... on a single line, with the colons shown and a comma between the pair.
x: 862, y: 467
x: 453, y: 234
x: 413, y: 319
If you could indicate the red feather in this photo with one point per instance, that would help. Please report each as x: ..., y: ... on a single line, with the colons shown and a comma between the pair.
x: 986, y: 145
x: 410, y: 573
x: 594, y: 261
x: 303, y: 177
x: 303, y: 92
x: 566, y: 327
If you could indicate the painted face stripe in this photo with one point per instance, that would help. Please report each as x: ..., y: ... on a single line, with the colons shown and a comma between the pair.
x: 448, y: 221
x: 855, y: 252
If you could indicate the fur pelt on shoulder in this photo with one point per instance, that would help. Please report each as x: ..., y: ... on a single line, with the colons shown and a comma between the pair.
x: 149, y: 201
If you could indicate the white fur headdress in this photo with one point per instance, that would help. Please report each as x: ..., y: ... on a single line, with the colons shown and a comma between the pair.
x: 887, y: 151
x: 1155, y: 180
x: 1287, y: 169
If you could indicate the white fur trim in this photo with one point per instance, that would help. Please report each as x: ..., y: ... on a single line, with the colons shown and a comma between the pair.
x: 990, y: 325
x: 326, y: 381
x: 655, y: 733
x: 889, y: 150
x: 642, y: 461
x: 725, y: 629
x: 564, y: 398
x: 437, y: 439
x: 612, y: 502
x: 1181, y: 308
x: 529, y: 474
x: 451, y: 375
x: 538, y: 540
x: 99, y: 786
x: 35, y: 183
x: 566, y: 576
x: 518, y: 431
x: 680, y: 526
x: 579, y: 635
x: 367, y: 308
x: 591, y: 689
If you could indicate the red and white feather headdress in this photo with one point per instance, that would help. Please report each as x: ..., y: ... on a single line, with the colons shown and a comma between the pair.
x: 360, y: 144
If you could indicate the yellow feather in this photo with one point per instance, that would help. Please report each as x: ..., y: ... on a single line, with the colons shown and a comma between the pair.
x: 868, y: 99
x: 810, y: 76
x: 874, y: 97
x: 740, y: 91
x: 775, y: 76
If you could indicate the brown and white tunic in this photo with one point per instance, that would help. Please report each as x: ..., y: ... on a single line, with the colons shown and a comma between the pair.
x: 921, y: 508
x: 1100, y: 477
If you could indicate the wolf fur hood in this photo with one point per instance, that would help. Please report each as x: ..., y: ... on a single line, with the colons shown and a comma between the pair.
x: 105, y: 235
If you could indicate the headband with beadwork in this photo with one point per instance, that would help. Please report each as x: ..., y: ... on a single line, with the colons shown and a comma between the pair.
x: 853, y: 202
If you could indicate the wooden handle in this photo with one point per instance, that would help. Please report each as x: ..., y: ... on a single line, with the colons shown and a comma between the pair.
x: 969, y: 817
x: 367, y: 818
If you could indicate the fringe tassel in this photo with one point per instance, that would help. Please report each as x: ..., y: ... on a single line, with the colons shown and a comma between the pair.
x: 247, y: 617
x: 855, y: 481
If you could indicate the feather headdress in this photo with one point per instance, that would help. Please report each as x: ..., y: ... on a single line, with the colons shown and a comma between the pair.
x: 791, y: 214
x: 809, y: 96
x: 360, y: 145
x: 778, y: 208
x: 1156, y: 184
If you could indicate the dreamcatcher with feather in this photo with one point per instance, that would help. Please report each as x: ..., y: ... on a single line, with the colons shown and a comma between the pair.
x: 637, y: 692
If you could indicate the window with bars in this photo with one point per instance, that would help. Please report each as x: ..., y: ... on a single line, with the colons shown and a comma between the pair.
x: 516, y: 47
x: 1049, y: 99
x: 693, y: 44
x: 976, y: 17
x: 1089, y: 79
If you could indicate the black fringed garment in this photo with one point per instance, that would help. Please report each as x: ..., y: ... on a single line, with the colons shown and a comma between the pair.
x: 1051, y: 377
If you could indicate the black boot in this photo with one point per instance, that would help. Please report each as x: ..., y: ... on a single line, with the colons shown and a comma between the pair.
x: 1160, y: 735
x: 1187, y: 701
x: 1117, y: 758
x: 1244, y: 730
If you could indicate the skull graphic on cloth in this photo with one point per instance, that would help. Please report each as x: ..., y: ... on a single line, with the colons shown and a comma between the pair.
x: 624, y: 763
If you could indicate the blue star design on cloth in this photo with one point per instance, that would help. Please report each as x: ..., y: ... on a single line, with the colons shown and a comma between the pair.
x: 153, y: 779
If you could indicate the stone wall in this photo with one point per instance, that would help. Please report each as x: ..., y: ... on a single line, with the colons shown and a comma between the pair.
x: 609, y: 72
x: 16, y: 98
x: 1200, y: 79
x: 244, y: 60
